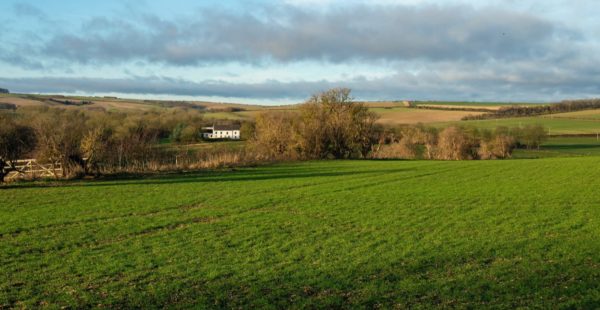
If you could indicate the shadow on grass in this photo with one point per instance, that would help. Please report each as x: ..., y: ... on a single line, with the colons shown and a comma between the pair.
x: 569, y: 147
x: 233, y: 175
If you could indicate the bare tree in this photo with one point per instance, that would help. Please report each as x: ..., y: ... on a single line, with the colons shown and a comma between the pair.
x: 333, y: 125
x: 96, y: 145
x: 276, y: 135
x: 59, y: 134
x: 533, y: 136
x: 455, y: 144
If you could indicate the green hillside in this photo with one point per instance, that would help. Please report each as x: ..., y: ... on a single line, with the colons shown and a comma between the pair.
x: 556, y: 124
x: 507, y: 234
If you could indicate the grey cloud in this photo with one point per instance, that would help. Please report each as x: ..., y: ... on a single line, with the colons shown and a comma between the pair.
x: 520, y: 80
x: 163, y: 86
x: 27, y: 10
x: 13, y: 57
x: 438, y: 52
x: 288, y: 34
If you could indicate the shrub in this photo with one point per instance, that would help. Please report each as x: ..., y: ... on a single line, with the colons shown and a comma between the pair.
x: 498, y: 146
x: 7, y: 106
x: 532, y: 136
x: 59, y: 134
x: 276, y: 135
x: 402, y: 149
x: 454, y: 143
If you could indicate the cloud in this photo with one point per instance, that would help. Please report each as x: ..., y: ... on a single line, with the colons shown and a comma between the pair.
x: 520, y: 80
x: 426, y: 51
x: 163, y: 86
x: 27, y: 10
x: 291, y: 34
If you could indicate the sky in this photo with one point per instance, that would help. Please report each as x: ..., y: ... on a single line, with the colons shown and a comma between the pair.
x: 278, y: 52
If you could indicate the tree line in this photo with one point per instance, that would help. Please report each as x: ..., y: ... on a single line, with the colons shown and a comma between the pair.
x: 525, y: 111
x: 456, y: 142
x: 330, y: 125
x: 95, y: 142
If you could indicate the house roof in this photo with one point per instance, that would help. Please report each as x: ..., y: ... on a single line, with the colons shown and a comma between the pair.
x: 227, y: 127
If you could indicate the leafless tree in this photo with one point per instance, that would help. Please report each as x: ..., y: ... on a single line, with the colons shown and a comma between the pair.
x: 333, y: 125
x: 455, y: 144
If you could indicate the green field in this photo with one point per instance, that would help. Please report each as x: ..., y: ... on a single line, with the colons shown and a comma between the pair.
x: 556, y: 125
x: 585, y: 114
x: 563, y: 147
x: 473, y: 103
x: 506, y: 234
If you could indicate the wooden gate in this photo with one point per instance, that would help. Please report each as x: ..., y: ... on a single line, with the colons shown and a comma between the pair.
x: 30, y: 168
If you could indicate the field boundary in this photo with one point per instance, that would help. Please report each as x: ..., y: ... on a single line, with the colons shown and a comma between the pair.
x: 31, y: 168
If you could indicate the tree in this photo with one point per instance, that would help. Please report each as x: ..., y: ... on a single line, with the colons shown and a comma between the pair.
x: 455, y: 144
x: 401, y: 149
x: 16, y: 141
x: 247, y: 130
x: 96, y: 144
x: 134, y: 143
x: 533, y: 136
x: 59, y: 134
x: 425, y: 136
x: 333, y: 125
x: 330, y: 125
x: 498, y: 144
x: 276, y: 135
x: 407, y: 141
x: 191, y: 133
x: 176, y: 133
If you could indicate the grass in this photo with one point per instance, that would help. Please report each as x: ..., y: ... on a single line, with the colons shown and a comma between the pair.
x: 129, y: 105
x: 585, y: 114
x: 209, y: 145
x: 555, y: 125
x: 470, y: 234
x: 473, y: 103
x: 563, y: 147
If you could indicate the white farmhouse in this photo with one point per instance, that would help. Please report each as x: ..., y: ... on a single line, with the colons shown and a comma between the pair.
x: 221, y: 132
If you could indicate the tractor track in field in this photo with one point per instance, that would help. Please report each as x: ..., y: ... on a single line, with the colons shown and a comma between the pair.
x: 150, y: 213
